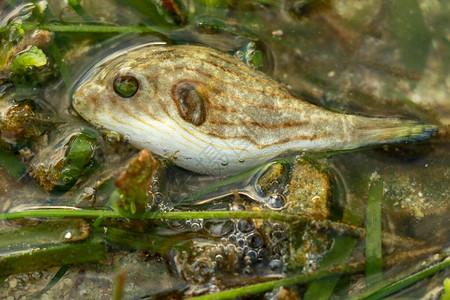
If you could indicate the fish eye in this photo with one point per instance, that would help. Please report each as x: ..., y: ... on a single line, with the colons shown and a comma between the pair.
x: 125, y: 86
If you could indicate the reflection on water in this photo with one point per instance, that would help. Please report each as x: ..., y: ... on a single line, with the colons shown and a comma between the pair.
x: 375, y: 58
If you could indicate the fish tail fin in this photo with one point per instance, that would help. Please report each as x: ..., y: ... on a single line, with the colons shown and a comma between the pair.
x: 391, y: 130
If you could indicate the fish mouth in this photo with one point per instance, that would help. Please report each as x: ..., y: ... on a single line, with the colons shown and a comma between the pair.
x: 78, y: 103
x: 75, y: 99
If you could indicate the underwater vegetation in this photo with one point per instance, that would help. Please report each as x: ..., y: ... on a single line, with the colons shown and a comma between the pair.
x: 104, y: 202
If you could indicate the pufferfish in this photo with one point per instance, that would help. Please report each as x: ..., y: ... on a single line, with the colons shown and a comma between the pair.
x: 215, y: 115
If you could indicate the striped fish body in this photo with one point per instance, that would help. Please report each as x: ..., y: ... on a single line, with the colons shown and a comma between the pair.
x: 214, y: 113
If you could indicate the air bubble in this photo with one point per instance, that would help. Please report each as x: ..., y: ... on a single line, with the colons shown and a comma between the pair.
x: 68, y: 235
x: 255, y: 240
x: 218, y: 228
x: 237, y: 207
x: 252, y: 255
x: 245, y: 225
x: 67, y: 179
x: 158, y: 198
x: 112, y: 137
x: 232, y: 238
x: 241, y: 243
x: 276, y: 201
x: 196, y: 226
x: 239, y: 54
x: 277, y: 226
x: 231, y: 248
x: 36, y: 275
x: 218, y: 258
x: 275, y: 265
x: 25, y: 278
x: 224, y: 163
x: 177, y: 224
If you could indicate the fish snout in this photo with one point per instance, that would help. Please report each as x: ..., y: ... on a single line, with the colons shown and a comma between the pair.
x: 83, y: 101
x: 78, y: 99
x: 75, y: 98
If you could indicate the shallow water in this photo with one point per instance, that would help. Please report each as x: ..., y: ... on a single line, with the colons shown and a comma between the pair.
x: 367, y: 58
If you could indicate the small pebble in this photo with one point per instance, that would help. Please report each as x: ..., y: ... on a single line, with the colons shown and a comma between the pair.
x: 46, y: 297
x: 13, y: 283
x: 277, y: 33
x: 68, y: 282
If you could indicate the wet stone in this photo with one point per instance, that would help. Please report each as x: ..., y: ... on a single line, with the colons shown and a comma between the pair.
x: 309, y: 191
x: 274, y: 179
